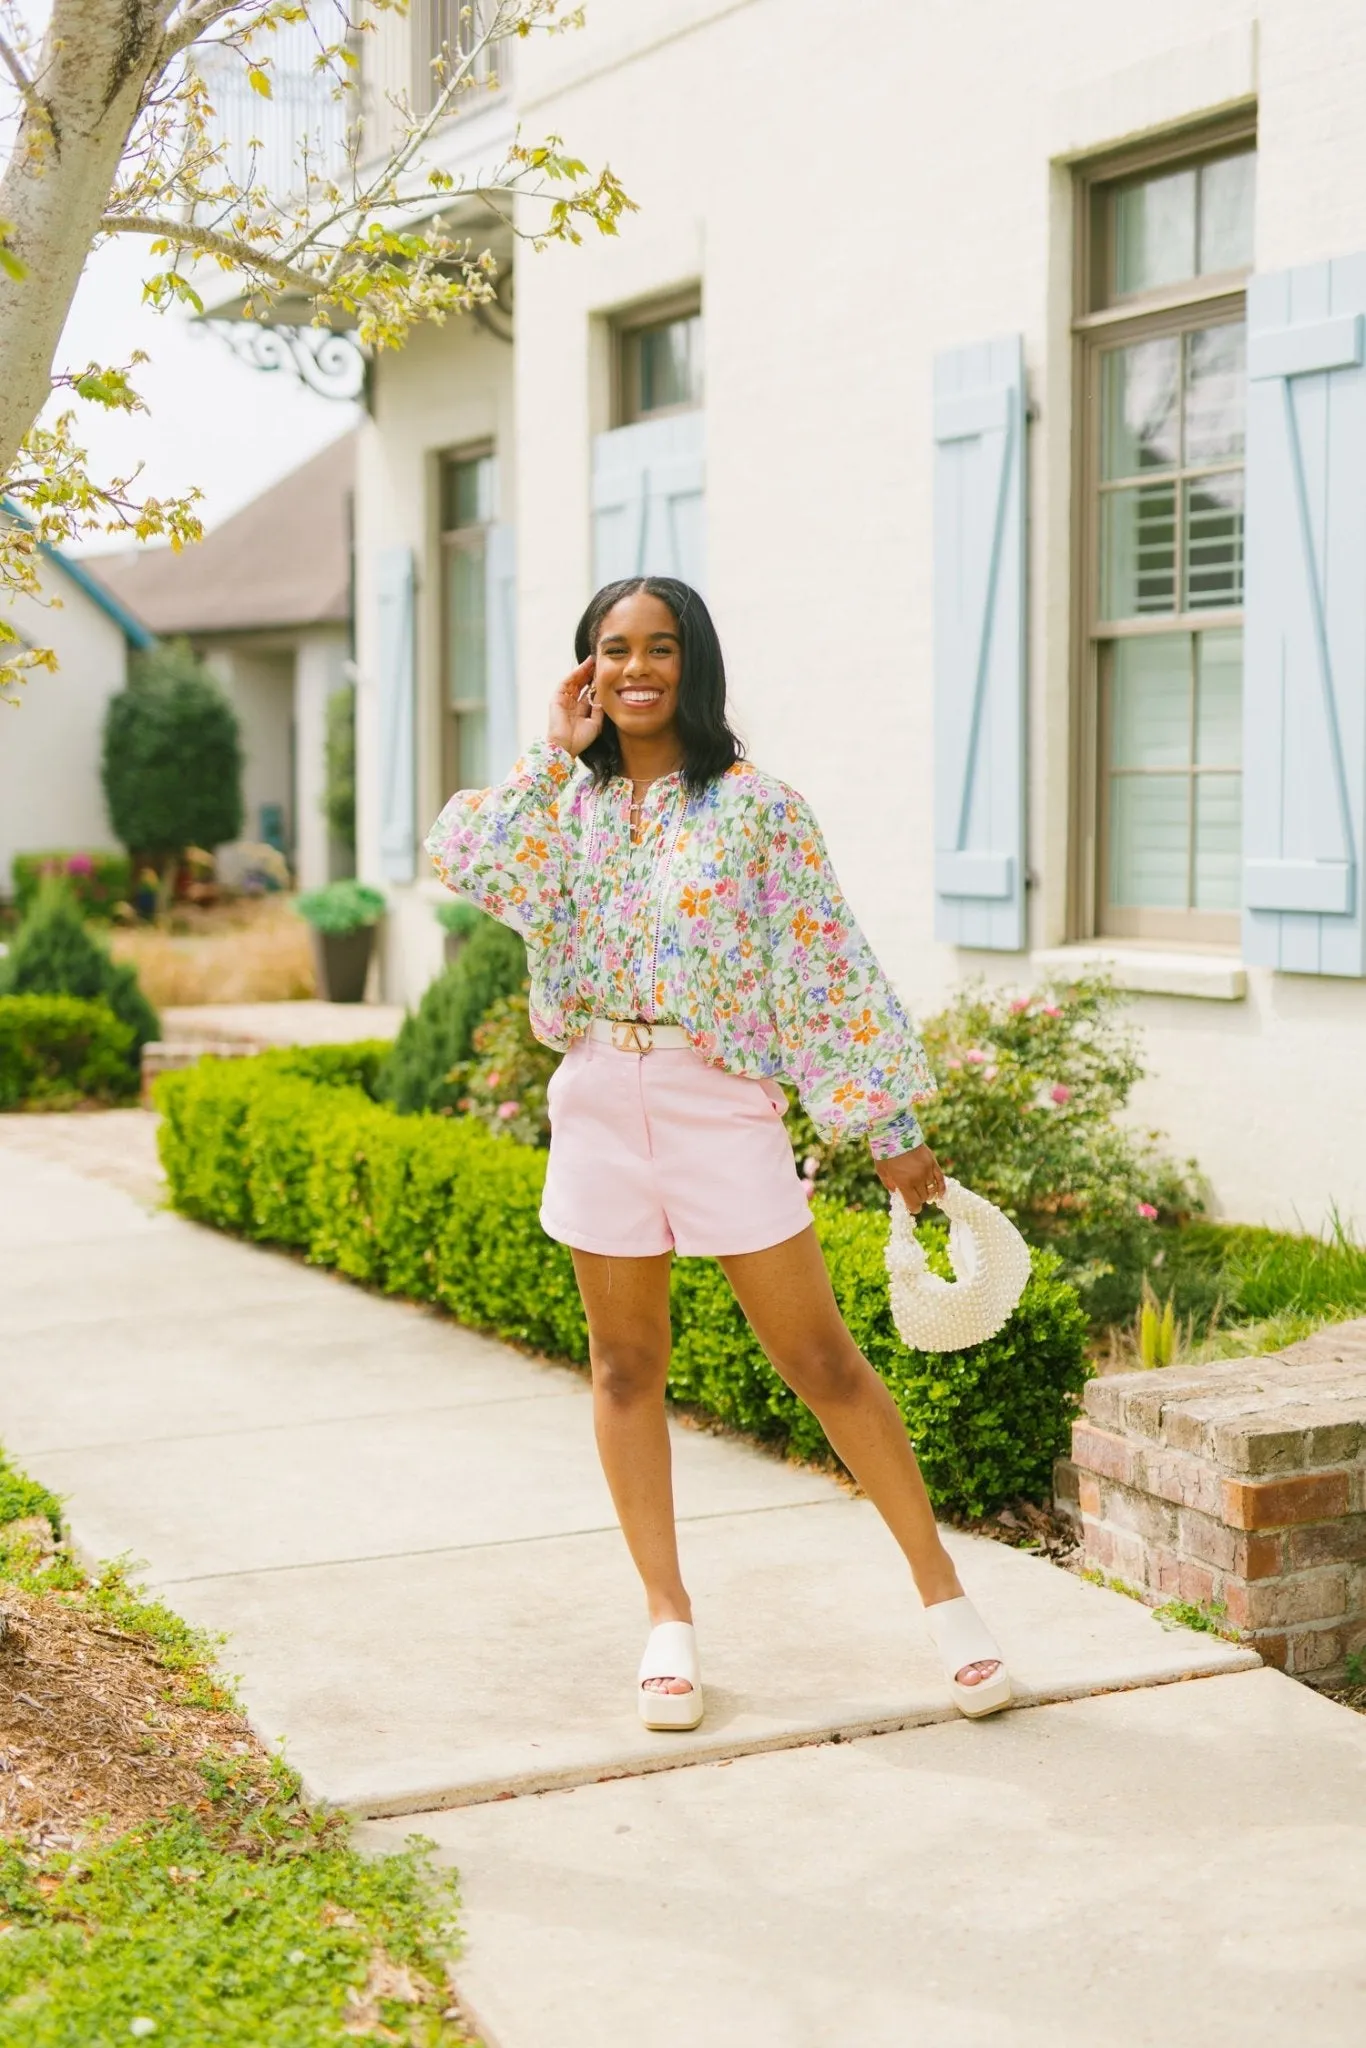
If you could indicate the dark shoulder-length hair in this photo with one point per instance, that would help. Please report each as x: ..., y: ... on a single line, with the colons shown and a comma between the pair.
x: 709, y: 745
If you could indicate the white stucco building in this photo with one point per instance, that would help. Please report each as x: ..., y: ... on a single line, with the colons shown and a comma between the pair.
x: 1000, y: 375
x: 51, y: 795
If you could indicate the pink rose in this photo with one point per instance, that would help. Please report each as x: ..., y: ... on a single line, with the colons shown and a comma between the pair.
x: 1051, y: 1010
x: 811, y: 1166
x: 493, y: 1079
x: 1147, y: 1212
x: 954, y: 1066
x: 507, y: 1109
x: 975, y: 1058
x: 988, y: 1073
x: 1060, y: 1094
x: 1019, y: 1006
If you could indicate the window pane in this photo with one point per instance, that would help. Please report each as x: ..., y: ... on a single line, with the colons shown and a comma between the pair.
x: 1216, y: 388
x: 1149, y: 841
x: 465, y: 625
x: 467, y: 494
x: 1150, y: 702
x: 1155, y: 232
x: 1219, y: 699
x: 471, y: 771
x: 1227, y: 191
x: 1139, y: 401
x: 1138, y: 551
x: 1218, y: 841
x: 1214, y: 542
x: 670, y: 364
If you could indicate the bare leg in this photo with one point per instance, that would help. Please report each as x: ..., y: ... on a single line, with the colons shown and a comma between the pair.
x: 786, y: 1295
x: 627, y: 1305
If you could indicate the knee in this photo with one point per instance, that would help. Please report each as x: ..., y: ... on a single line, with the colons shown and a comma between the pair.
x: 825, y: 1375
x: 625, y: 1373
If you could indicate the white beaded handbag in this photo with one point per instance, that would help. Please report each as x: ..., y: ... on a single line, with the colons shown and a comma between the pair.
x: 990, y: 1261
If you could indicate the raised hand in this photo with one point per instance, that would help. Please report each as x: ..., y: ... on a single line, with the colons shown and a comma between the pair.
x: 575, y: 720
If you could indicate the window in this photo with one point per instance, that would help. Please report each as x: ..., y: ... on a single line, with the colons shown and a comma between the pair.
x: 444, y: 31
x: 467, y: 506
x: 660, y: 364
x: 1166, y: 249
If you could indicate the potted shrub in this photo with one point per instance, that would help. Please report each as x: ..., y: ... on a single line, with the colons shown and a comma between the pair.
x: 342, y: 918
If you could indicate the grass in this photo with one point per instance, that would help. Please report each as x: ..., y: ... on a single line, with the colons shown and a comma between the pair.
x: 248, y: 952
x: 160, y: 1877
x: 1206, y: 1621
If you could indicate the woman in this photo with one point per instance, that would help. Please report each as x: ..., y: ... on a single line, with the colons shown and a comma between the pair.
x: 688, y: 945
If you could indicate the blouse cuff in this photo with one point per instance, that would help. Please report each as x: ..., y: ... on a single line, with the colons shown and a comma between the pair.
x: 899, y: 1134
x: 545, y: 769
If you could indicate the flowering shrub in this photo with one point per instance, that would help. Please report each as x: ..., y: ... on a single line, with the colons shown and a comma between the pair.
x: 97, y: 881
x: 505, y: 1083
x: 1030, y: 1089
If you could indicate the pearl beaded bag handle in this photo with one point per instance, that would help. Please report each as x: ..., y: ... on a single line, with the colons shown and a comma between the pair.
x: 990, y: 1261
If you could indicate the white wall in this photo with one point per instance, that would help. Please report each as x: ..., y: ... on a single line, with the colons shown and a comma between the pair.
x: 259, y: 683
x: 50, y: 793
x: 855, y: 189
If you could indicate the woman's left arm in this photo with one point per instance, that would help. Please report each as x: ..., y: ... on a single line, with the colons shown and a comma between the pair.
x: 849, y: 1047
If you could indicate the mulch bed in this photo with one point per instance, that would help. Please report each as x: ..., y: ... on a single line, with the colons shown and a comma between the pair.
x: 93, y: 1726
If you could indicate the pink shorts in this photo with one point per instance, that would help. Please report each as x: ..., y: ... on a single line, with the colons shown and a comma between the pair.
x: 657, y: 1151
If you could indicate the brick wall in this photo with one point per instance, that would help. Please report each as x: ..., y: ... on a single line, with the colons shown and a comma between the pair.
x: 1241, y: 1484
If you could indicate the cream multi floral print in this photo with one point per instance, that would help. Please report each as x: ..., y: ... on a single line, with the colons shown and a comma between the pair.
x: 726, y: 918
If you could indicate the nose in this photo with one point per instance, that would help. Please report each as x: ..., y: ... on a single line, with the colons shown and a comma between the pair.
x: 636, y: 665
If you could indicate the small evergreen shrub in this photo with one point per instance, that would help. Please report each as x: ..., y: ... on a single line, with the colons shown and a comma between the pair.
x: 98, y: 881
x: 172, y: 760
x: 53, y: 954
x: 437, y: 1037
x: 441, y: 1210
x: 59, y: 1050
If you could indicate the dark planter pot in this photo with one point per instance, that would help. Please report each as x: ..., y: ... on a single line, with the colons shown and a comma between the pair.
x: 341, y: 961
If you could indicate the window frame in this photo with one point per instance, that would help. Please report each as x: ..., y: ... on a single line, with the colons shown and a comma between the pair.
x: 627, y: 329
x: 425, y: 17
x: 1095, y: 327
x: 451, y: 540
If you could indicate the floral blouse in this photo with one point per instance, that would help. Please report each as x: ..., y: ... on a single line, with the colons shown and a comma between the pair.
x: 726, y: 918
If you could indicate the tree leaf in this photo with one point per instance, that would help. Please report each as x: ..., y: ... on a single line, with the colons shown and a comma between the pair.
x: 259, y: 81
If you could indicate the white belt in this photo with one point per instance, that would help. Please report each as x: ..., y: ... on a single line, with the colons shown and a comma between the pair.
x: 631, y: 1037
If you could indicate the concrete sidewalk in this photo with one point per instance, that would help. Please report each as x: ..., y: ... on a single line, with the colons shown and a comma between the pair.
x: 403, y: 1528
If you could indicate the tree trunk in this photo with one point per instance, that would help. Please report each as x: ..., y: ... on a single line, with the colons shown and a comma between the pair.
x: 94, y: 65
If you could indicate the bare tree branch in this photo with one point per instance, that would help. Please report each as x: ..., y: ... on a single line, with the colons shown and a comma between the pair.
x: 184, y: 234
x: 13, y: 63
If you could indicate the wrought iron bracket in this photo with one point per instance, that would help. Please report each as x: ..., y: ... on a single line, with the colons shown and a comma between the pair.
x: 332, y: 364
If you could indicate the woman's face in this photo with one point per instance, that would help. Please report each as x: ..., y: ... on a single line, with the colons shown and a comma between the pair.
x: 640, y: 662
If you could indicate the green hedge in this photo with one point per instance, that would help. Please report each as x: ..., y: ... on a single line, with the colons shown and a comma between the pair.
x: 288, y: 1149
x: 61, y: 1049
x: 98, y: 881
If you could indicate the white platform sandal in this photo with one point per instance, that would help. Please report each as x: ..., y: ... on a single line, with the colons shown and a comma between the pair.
x: 962, y: 1637
x: 671, y: 1652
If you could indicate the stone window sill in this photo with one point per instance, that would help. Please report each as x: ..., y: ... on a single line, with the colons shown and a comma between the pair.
x: 1146, y: 970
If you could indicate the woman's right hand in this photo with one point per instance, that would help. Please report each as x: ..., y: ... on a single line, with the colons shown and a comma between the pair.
x: 575, y: 721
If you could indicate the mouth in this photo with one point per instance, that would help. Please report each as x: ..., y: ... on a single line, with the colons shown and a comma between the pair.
x: 639, y: 699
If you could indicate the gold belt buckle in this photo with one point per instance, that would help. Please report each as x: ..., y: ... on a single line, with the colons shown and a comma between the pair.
x: 626, y: 1036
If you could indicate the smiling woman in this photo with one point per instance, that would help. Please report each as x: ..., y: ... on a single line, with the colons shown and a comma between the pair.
x: 690, y: 947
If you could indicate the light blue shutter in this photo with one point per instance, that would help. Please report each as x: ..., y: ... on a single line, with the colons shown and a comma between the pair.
x: 500, y: 649
x: 979, y: 646
x: 398, y: 807
x: 649, y: 500
x: 1304, y: 695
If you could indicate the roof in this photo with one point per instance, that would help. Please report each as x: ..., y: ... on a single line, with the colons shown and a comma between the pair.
x: 132, y: 629
x: 283, y: 560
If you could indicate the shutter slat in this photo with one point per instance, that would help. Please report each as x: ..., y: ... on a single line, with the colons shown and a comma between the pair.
x: 649, y: 499
x: 398, y: 791
x: 979, y: 646
x: 500, y: 616
x: 1305, y: 640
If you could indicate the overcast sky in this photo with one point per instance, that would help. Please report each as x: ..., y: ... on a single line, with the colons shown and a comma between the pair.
x: 211, y: 420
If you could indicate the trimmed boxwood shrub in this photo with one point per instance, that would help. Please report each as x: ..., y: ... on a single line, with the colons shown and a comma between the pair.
x: 59, y: 1049
x: 98, y: 881
x: 286, y: 1149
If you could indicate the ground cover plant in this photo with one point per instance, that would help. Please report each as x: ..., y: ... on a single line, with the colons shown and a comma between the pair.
x: 245, y: 950
x: 160, y: 1878
x: 289, y: 1149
